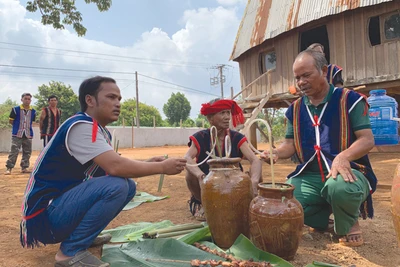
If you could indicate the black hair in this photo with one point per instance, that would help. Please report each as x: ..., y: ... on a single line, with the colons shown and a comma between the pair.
x: 214, y: 100
x: 91, y: 87
x: 52, y: 96
x: 25, y: 94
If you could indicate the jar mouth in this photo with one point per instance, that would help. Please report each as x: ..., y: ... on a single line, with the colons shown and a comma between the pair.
x: 278, y: 186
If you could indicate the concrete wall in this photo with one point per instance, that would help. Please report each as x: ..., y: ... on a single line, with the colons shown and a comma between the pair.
x: 142, y: 137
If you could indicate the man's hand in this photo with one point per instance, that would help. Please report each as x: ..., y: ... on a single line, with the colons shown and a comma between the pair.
x: 266, y: 156
x: 157, y: 159
x: 173, y: 165
x: 341, y: 165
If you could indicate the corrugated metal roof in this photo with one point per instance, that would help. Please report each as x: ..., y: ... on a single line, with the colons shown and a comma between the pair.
x: 266, y: 19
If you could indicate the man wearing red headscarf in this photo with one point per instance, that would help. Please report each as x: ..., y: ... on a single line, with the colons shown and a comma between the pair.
x: 219, y: 113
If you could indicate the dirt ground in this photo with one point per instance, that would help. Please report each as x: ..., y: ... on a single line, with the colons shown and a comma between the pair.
x: 380, y: 248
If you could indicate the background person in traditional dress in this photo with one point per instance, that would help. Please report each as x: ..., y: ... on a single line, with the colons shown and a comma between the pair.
x: 49, y: 119
x: 329, y: 129
x: 79, y: 183
x: 219, y: 113
x: 21, y: 118
x: 334, y: 72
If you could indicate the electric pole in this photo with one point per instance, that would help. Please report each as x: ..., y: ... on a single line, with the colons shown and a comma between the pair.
x: 219, y: 79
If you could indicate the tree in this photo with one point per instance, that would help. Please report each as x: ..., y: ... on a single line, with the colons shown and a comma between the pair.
x: 5, y: 110
x: 177, y: 108
x: 276, y: 118
x: 54, y: 10
x: 188, y: 123
x: 146, y: 113
x: 67, y: 100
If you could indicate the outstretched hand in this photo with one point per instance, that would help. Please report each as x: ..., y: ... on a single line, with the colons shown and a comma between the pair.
x: 157, y: 159
x: 266, y: 156
x: 173, y: 165
x: 341, y: 165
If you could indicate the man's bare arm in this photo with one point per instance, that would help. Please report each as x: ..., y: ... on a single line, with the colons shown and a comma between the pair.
x: 115, y: 165
x: 284, y: 151
x: 190, y: 156
x: 256, y: 165
x: 42, y: 117
x: 341, y: 164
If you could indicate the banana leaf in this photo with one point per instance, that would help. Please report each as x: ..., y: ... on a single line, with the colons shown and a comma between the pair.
x: 245, y: 250
x: 134, y: 231
x: 140, y: 198
x: 202, y: 234
x: 136, y: 253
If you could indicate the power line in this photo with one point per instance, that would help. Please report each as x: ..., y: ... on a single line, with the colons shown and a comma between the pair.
x: 108, y: 59
x: 160, y: 85
x: 103, y: 54
x: 174, y: 84
x: 48, y: 75
x: 75, y: 70
x: 63, y: 69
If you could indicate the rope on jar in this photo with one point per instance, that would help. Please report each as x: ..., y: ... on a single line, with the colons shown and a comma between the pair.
x: 270, y: 145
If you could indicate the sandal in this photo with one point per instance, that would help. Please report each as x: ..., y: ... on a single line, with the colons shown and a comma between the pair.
x: 356, y: 236
x: 329, y: 229
x: 82, y: 259
x: 196, y: 209
x: 199, y: 215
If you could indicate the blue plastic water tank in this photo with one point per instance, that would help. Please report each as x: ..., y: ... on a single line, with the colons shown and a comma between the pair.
x: 382, y: 109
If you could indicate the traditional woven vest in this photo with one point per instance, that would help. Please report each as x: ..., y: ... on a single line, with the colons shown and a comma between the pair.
x: 51, y: 122
x: 54, y: 173
x: 23, y: 122
x: 202, y: 141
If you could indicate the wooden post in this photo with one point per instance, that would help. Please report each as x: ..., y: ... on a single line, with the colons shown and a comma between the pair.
x: 202, y: 123
x: 133, y: 123
x: 231, y: 92
x: 137, y: 101
x: 180, y: 123
x: 123, y: 122
x: 154, y: 121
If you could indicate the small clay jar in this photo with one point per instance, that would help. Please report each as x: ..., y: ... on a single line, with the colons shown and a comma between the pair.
x: 276, y: 220
x: 395, y: 207
x: 226, y: 194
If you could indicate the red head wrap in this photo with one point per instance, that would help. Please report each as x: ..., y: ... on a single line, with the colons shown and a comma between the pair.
x: 224, y: 104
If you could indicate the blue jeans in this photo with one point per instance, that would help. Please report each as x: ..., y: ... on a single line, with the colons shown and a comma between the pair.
x: 80, y: 214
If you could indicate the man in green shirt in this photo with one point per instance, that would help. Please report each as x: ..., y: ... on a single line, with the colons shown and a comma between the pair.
x: 329, y: 130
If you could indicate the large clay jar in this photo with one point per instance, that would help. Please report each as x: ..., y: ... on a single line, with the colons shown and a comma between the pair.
x: 395, y: 209
x: 276, y: 220
x: 226, y: 194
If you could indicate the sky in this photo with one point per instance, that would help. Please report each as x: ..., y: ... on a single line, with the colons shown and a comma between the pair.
x: 174, y: 45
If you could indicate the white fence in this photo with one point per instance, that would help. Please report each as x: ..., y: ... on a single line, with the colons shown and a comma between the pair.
x: 142, y: 137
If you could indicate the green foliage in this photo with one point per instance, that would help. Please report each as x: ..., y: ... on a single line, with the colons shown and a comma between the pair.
x: 67, y: 99
x: 146, y: 114
x: 5, y: 109
x: 200, y: 120
x: 177, y: 108
x: 64, y: 12
x: 277, y: 120
x: 188, y: 123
